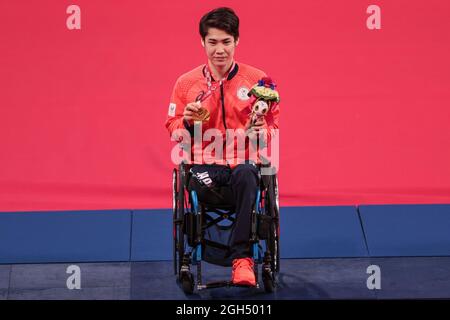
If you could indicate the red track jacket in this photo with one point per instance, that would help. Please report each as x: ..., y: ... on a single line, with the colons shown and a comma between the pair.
x: 229, y: 107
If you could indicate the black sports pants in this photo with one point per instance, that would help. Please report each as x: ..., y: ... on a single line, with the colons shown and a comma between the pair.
x: 243, y: 180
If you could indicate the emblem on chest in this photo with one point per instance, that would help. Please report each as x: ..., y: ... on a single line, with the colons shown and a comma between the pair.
x: 242, y: 93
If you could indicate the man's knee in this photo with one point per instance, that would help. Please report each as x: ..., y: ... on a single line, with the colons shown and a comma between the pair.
x: 246, y: 172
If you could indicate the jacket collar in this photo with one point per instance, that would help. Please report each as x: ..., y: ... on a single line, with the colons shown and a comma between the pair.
x: 231, y: 74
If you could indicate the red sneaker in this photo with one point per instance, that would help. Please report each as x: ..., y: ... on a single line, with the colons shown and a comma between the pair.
x: 243, y: 273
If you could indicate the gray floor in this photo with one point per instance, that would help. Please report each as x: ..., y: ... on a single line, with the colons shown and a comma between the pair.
x: 401, y: 278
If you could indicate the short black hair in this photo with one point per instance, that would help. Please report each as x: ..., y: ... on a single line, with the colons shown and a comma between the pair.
x: 220, y: 18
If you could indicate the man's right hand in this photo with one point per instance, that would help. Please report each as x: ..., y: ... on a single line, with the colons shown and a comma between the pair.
x: 189, y: 111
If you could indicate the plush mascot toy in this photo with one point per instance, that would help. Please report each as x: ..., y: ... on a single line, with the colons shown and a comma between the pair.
x: 263, y: 97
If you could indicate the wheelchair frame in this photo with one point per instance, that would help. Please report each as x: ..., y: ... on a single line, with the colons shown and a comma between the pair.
x: 266, y: 204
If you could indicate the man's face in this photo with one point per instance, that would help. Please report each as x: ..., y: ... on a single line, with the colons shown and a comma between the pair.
x: 219, y: 47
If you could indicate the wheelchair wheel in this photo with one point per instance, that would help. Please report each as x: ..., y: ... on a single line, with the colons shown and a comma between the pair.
x: 174, y: 219
x: 276, y: 226
x: 187, y: 282
x: 271, y: 265
x: 268, y: 280
x: 178, y: 182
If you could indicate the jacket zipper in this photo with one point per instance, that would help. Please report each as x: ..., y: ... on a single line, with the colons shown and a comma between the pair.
x: 223, y: 105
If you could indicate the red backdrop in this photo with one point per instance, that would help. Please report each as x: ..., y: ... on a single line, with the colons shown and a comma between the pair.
x: 364, y: 113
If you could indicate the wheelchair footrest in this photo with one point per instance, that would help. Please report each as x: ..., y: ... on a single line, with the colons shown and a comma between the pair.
x: 220, y: 284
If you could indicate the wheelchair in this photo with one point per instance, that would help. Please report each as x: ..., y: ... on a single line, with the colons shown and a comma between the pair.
x: 202, y: 225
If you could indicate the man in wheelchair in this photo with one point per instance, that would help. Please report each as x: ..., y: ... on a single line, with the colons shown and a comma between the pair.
x: 217, y: 97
